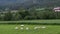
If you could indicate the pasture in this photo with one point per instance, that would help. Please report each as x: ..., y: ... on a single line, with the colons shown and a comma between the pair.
x: 10, y: 28
x: 46, y: 22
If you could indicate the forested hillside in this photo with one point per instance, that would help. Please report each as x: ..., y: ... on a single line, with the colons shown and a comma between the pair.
x: 29, y: 14
x: 16, y: 4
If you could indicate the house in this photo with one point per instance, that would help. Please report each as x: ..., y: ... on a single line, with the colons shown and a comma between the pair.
x: 56, y: 9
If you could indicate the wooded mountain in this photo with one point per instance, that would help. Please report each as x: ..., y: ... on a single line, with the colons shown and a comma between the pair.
x: 14, y: 4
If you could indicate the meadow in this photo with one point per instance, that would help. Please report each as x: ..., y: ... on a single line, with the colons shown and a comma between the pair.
x: 56, y: 21
x: 10, y: 28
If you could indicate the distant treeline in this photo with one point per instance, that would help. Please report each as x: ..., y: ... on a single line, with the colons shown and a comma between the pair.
x: 30, y: 14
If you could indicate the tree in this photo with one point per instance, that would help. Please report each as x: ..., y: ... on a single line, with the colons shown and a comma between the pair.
x: 8, y: 16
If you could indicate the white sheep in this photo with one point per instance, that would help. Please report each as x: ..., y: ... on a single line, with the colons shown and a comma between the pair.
x: 21, y: 28
x: 27, y: 28
x: 36, y: 27
x: 21, y: 25
x: 16, y: 28
x: 43, y: 27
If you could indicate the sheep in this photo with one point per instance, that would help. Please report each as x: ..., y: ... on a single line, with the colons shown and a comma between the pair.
x: 21, y: 25
x: 43, y: 27
x: 27, y: 28
x: 21, y: 28
x: 16, y: 28
x: 36, y: 27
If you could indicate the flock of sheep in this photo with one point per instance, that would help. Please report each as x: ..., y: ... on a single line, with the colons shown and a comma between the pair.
x: 27, y: 28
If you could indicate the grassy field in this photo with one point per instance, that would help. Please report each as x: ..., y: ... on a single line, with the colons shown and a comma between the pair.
x: 10, y: 29
x: 32, y: 21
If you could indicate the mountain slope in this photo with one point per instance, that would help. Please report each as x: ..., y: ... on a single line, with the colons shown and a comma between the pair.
x: 29, y: 3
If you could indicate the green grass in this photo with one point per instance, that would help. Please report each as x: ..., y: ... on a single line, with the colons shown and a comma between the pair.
x: 42, y: 22
x: 34, y: 21
x: 9, y: 29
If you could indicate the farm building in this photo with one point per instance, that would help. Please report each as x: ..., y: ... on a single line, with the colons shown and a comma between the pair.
x: 56, y: 9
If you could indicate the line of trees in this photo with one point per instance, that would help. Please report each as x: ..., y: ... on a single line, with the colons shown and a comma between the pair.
x: 30, y: 14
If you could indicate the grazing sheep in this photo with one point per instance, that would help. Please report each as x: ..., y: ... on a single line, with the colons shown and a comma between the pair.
x: 21, y: 28
x: 27, y: 28
x: 16, y: 28
x: 21, y: 25
x: 43, y: 27
x: 36, y: 27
